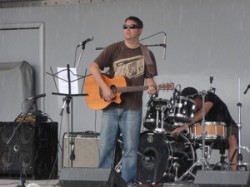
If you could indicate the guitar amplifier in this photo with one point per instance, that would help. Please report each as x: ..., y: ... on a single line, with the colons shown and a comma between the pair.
x: 83, y: 149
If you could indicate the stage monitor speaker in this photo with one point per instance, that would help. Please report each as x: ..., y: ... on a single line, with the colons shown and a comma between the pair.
x: 90, y: 177
x: 31, y: 147
x: 84, y: 146
x: 222, y: 178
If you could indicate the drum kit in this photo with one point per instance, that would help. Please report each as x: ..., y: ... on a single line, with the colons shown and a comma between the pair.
x: 163, y: 157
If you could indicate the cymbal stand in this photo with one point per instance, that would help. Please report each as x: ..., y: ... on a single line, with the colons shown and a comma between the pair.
x: 204, y: 133
x: 240, y: 165
x: 205, y: 150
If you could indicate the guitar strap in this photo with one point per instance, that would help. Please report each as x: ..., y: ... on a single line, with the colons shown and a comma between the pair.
x: 148, y: 60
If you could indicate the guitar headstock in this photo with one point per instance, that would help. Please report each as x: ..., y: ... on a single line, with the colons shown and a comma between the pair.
x: 166, y: 86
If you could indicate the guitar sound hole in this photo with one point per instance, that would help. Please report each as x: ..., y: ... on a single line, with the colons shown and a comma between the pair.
x: 113, y: 88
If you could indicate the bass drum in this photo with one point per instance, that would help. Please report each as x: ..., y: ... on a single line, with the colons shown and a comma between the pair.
x: 158, y: 156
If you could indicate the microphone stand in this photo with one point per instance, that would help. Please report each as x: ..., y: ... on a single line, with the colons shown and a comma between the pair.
x: 147, y: 45
x: 164, y: 44
x: 19, y: 148
x: 240, y: 165
x: 67, y: 100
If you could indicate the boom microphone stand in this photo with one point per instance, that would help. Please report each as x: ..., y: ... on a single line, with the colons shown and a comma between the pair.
x: 240, y: 165
x: 18, y: 148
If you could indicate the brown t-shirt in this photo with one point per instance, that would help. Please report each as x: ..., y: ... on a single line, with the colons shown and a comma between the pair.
x: 130, y: 63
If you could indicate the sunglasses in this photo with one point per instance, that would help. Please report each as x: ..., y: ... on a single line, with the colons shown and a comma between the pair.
x: 132, y: 26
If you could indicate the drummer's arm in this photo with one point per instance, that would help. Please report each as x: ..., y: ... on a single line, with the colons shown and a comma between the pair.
x: 197, y: 117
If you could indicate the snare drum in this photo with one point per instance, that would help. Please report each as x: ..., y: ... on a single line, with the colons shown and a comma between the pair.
x: 181, y: 110
x: 213, y: 130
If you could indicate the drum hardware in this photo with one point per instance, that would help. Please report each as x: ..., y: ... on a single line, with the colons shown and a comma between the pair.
x: 207, y: 152
x: 240, y: 165
x: 211, y: 78
x: 203, y: 160
x: 160, y: 122
x: 177, y: 91
x: 204, y: 133
x: 176, y: 167
x: 153, y: 114
x: 222, y: 164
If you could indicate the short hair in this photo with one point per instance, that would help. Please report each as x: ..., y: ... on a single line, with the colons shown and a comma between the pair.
x: 189, y: 92
x: 135, y: 19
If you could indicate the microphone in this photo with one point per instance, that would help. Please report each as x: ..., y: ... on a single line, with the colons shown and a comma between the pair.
x: 211, y: 79
x: 35, y: 97
x: 86, y: 41
x: 99, y: 48
x: 164, y: 45
x: 247, y: 89
x: 177, y: 91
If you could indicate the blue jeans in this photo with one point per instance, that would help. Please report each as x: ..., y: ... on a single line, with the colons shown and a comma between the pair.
x: 128, y: 123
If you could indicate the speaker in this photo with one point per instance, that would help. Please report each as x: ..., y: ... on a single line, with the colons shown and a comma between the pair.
x: 222, y: 178
x: 89, y: 177
x: 30, y: 148
x: 85, y: 148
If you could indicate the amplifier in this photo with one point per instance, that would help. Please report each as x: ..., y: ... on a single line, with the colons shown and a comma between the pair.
x: 83, y: 149
x: 33, y: 148
x: 32, y: 118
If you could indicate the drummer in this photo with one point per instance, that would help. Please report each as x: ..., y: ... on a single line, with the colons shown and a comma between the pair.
x: 214, y: 110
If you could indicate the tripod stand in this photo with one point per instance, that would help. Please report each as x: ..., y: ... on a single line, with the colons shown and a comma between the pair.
x: 205, y: 149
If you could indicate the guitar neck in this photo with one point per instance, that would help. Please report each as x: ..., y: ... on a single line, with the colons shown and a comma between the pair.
x: 131, y: 89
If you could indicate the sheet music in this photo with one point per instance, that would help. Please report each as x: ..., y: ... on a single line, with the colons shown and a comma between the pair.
x: 63, y: 80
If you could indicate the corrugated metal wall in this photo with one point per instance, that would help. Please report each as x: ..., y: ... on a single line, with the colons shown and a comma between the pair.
x: 28, y: 3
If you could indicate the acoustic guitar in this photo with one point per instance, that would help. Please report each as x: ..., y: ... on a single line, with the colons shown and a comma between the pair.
x: 118, y: 84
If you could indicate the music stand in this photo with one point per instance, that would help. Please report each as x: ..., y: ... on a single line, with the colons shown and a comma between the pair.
x: 68, y: 100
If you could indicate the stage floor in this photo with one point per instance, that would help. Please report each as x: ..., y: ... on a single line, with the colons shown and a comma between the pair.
x: 207, y: 178
x: 55, y: 183
x: 29, y: 183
